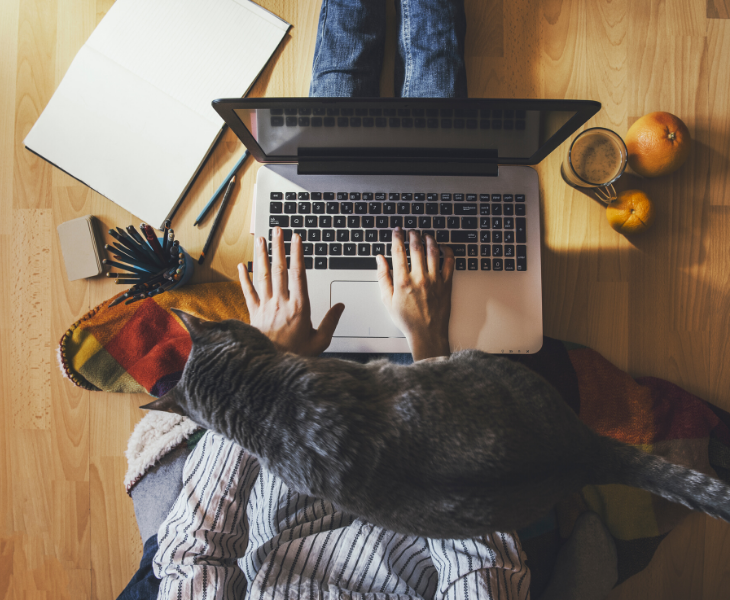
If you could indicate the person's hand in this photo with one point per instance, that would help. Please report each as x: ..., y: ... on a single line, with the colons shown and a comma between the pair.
x: 419, y: 301
x: 281, y: 313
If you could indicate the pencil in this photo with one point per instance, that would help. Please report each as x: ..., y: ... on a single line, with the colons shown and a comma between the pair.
x: 152, y: 240
x: 124, y: 241
x: 128, y: 258
x: 221, y: 210
x: 168, y: 224
x: 111, y: 263
x: 131, y: 230
x: 226, y: 181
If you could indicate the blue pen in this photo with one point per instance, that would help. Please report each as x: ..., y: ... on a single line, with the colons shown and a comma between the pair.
x: 222, y: 186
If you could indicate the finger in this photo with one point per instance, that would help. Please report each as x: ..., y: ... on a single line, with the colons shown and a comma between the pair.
x: 400, y: 262
x: 279, y: 276
x: 262, y: 273
x: 327, y: 327
x: 432, y: 257
x: 385, y: 281
x: 249, y: 292
x: 298, y: 287
x: 447, y: 270
x: 418, y: 258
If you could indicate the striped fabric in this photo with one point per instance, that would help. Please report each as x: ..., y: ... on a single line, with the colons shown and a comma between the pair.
x: 236, y: 531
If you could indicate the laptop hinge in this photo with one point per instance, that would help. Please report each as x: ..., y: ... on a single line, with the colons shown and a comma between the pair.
x: 392, y: 166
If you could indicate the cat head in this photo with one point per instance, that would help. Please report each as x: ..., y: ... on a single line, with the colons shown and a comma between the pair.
x: 229, y: 340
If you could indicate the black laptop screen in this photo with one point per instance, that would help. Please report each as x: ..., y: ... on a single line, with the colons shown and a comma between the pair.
x: 503, y: 131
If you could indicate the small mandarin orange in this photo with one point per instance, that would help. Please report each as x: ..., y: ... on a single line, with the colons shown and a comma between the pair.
x: 631, y: 213
x: 658, y: 144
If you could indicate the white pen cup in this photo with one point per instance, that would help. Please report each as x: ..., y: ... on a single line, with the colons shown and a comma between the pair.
x: 596, y: 158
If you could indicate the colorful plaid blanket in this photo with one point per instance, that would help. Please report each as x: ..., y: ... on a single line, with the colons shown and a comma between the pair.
x: 143, y: 347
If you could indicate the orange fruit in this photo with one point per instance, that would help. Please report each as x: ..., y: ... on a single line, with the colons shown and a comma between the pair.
x: 658, y: 144
x: 632, y: 212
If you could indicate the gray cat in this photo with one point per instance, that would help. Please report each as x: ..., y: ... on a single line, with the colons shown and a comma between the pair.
x: 442, y: 449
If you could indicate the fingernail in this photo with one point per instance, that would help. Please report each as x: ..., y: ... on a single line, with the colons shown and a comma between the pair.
x: 277, y: 231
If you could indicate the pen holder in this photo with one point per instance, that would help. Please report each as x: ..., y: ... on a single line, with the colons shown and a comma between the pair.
x: 188, y: 267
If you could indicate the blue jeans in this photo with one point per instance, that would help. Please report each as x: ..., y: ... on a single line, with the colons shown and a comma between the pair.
x: 348, y: 56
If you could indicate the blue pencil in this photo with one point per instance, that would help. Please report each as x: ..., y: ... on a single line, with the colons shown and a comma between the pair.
x: 222, y: 186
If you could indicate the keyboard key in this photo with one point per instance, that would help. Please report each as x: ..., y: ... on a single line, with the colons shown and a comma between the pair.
x: 472, y: 250
x: 442, y: 237
x: 509, y: 222
x: 465, y: 209
x: 340, y: 221
x: 291, y: 195
x: 367, y: 196
x: 307, y: 249
x: 275, y: 207
x: 353, y: 222
x: 346, y: 208
x: 404, y: 208
x: 521, y: 230
x: 432, y: 209
x: 468, y: 222
x: 521, y: 251
x: 325, y: 221
x: 509, y: 264
x: 310, y: 221
x: 509, y: 237
x: 508, y: 198
x: 458, y: 197
x: 361, y: 208
x: 509, y: 251
x: 375, y: 208
x: 314, y: 235
x: 302, y: 233
x: 521, y: 264
x: 496, y: 250
x: 290, y: 208
x: 335, y: 249
x: 275, y: 196
x: 520, y: 210
x: 473, y: 264
x: 420, y: 197
x: 308, y: 263
x: 471, y: 197
x: 497, y: 210
x: 483, y: 197
x: 485, y: 237
x: 453, y: 222
x: 459, y: 249
x: 446, y: 197
x: 396, y: 222
x: 371, y: 235
x: 286, y: 234
x: 320, y: 262
x: 318, y: 196
x: 343, y: 235
x: 389, y: 208
x: 509, y: 210
x: 484, y: 209
x: 363, y: 249
x: 417, y: 208
x: 357, y: 235
x: 486, y: 264
x: 368, y: 222
x: 496, y: 223
x: 496, y: 237
x: 385, y: 235
x: 497, y: 264
x: 486, y: 250
x: 432, y: 197
x: 318, y: 208
x: 287, y: 250
x: 320, y: 249
x: 305, y: 208
x: 349, y: 249
x: 446, y: 209
x: 278, y: 221
x: 406, y: 197
x: 353, y: 263
x: 381, y: 222
x: 424, y: 222
x: 519, y: 197
x: 410, y: 222
x: 464, y: 236
x: 496, y: 197
x: 328, y: 235
x: 378, y: 249
x: 439, y: 222
x: 461, y: 264
x: 333, y: 208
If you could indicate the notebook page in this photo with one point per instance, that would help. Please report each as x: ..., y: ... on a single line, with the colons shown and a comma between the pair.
x: 192, y: 50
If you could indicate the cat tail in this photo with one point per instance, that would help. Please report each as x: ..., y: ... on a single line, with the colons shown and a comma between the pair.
x: 624, y: 464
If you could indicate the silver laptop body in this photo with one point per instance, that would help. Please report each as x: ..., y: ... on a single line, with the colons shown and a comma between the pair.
x: 497, y: 287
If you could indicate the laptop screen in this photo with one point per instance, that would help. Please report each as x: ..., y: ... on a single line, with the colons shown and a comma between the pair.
x: 493, y: 131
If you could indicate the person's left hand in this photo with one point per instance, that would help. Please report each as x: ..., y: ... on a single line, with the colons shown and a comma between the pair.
x: 283, y: 314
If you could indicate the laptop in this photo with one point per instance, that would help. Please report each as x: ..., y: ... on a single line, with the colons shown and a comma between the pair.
x: 344, y: 172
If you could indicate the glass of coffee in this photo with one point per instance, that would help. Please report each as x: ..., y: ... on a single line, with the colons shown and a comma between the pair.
x: 596, y: 158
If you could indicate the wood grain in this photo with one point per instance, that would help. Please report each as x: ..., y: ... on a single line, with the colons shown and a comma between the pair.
x: 655, y: 305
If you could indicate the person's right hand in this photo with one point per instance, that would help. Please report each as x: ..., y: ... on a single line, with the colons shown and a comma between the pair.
x: 419, y: 300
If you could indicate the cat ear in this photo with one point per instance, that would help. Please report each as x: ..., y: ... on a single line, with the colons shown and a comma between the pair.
x: 193, y: 324
x: 167, y: 403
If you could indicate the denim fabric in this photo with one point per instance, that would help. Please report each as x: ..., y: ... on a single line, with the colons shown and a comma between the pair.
x: 143, y: 585
x: 348, y: 55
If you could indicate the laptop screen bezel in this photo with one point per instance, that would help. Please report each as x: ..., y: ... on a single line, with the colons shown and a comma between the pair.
x: 583, y: 109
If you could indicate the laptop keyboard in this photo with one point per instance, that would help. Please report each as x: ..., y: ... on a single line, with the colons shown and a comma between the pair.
x: 346, y: 230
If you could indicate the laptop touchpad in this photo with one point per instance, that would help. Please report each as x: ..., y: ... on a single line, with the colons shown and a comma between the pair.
x: 365, y: 314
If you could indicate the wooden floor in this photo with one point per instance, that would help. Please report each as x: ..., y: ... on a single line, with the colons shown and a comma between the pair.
x: 656, y: 306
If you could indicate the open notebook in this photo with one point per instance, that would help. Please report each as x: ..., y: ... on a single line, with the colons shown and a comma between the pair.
x: 132, y: 117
